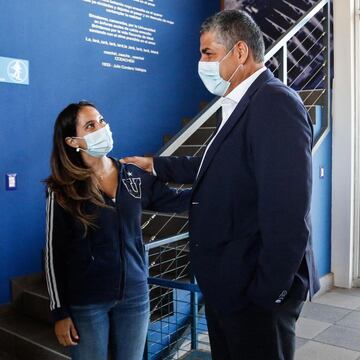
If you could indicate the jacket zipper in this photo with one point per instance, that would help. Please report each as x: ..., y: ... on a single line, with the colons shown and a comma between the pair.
x: 121, y: 242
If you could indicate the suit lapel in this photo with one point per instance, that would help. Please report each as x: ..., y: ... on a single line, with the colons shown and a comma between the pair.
x: 232, y: 121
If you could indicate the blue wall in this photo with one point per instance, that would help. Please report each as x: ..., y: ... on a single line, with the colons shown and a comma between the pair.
x: 63, y: 69
x: 321, y: 205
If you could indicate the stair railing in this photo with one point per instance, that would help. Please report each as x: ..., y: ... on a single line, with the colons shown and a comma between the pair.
x: 314, y: 25
x: 311, y: 34
x: 277, y: 59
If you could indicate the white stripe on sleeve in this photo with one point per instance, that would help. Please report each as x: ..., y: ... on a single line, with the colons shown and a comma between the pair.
x: 49, y: 256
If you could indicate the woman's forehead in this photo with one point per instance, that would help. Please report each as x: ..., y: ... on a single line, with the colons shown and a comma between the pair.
x: 88, y: 113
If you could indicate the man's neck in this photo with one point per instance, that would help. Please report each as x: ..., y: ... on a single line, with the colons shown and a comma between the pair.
x: 248, y: 70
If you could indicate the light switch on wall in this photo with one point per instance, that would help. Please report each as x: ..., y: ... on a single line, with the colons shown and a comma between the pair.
x: 11, y: 181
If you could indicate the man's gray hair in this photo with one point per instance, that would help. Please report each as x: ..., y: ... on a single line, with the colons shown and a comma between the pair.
x: 231, y: 26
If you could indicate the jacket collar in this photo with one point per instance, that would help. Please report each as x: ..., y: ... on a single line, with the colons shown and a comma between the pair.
x: 263, y: 78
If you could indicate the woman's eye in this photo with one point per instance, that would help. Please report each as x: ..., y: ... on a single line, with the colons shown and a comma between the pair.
x: 102, y: 121
x: 89, y: 126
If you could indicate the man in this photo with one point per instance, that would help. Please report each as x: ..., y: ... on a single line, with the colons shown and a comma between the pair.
x: 250, y: 214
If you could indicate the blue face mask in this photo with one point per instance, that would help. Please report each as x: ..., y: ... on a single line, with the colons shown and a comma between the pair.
x: 209, y: 72
x: 99, y: 143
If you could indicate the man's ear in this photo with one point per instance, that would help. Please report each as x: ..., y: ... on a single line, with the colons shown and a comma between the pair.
x: 71, y: 142
x: 242, y: 51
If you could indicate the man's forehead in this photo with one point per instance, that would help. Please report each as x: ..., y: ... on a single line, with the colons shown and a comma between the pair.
x: 209, y: 40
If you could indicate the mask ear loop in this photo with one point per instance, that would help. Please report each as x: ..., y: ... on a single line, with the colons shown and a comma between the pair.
x: 224, y: 59
x: 78, y: 148
x: 227, y: 54
x: 234, y: 72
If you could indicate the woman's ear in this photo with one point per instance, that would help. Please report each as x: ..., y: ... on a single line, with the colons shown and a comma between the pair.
x: 71, y: 142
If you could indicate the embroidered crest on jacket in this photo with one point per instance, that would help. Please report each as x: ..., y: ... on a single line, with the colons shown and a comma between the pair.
x: 133, y: 186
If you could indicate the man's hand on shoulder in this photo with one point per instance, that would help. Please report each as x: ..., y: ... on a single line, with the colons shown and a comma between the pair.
x: 145, y: 163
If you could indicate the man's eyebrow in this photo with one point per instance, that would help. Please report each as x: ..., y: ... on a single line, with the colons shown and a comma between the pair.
x: 205, y: 50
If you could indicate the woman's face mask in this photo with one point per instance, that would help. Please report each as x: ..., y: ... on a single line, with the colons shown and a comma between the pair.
x: 99, y: 143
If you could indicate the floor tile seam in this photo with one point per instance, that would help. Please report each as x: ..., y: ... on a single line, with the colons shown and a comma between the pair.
x: 326, y: 322
x: 337, y: 346
x: 348, y: 326
x: 319, y: 321
x: 341, y: 294
x: 349, y: 313
x: 338, y: 307
x: 322, y: 331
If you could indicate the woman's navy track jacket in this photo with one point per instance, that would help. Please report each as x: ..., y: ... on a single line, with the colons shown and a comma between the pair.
x: 109, y: 263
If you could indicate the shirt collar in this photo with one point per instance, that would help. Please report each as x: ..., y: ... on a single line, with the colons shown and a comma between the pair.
x: 236, y: 95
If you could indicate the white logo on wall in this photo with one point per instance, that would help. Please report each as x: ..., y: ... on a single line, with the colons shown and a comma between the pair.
x: 17, y: 71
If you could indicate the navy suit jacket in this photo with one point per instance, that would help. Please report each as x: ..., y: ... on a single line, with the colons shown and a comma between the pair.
x: 250, y: 229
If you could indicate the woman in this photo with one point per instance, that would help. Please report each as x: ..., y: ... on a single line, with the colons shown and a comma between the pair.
x: 96, y: 268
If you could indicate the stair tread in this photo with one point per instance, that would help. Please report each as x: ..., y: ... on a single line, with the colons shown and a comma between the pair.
x: 38, y: 333
x: 34, y: 283
x: 149, y: 213
x: 197, y: 355
x: 5, y: 356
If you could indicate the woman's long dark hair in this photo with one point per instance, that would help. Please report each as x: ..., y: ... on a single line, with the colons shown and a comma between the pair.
x: 71, y: 180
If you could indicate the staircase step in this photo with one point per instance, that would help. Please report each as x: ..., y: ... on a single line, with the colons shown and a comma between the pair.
x: 185, y: 121
x: 170, y: 261
x: 30, y: 297
x: 189, y: 150
x: 23, y: 338
x: 203, y: 105
x: 5, y: 356
x: 167, y: 138
x: 211, y: 122
x: 162, y: 225
x: 197, y: 355
x: 313, y: 97
x: 200, y: 137
x: 314, y: 113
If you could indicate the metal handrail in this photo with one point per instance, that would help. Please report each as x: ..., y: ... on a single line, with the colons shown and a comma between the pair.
x: 190, y: 128
x: 192, y: 328
x: 174, y: 284
x: 166, y: 241
x: 279, y: 46
x: 215, y: 104
x: 282, y: 41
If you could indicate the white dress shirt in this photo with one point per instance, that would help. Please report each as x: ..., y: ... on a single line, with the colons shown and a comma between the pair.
x: 230, y: 102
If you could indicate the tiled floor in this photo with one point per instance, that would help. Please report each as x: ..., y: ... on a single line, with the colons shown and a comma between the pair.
x: 329, y: 327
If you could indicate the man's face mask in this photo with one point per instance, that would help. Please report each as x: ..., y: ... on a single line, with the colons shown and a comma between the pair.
x: 209, y: 72
x: 99, y: 143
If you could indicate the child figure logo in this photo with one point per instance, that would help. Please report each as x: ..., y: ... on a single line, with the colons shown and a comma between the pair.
x: 133, y: 186
x: 17, y: 71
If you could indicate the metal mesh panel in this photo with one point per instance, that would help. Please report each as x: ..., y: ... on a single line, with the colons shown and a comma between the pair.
x: 182, y: 332
x: 303, y: 64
